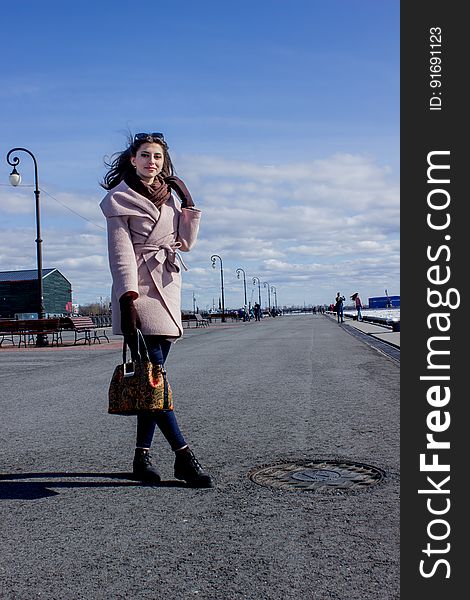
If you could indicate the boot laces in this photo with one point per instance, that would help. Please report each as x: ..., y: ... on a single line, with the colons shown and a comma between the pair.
x: 146, y: 458
x: 194, y: 461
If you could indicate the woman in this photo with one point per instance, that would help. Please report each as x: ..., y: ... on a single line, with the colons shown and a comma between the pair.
x: 147, y: 225
x: 339, y: 307
x: 358, y: 304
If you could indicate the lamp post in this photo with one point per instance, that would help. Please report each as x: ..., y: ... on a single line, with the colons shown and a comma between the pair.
x: 266, y: 284
x: 256, y: 279
x: 15, y: 179
x: 238, y: 271
x: 214, y: 260
x: 273, y: 289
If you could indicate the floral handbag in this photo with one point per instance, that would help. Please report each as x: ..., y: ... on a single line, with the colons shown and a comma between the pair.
x: 139, y: 385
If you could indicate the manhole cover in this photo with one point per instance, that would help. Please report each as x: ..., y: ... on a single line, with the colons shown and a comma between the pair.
x: 318, y: 475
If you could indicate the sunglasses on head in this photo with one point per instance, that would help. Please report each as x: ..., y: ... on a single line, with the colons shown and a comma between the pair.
x: 145, y: 136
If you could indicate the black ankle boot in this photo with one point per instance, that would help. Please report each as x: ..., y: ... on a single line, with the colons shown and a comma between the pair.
x: 142, y: 467
x: 188, y: 469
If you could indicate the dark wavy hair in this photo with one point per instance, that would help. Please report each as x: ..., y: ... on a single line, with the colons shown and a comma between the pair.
x: 120, y: 163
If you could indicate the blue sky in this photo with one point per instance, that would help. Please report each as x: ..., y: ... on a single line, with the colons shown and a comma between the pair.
x: 282, y: 118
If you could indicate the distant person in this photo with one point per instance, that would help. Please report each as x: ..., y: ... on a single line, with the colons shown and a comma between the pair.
x: 150, y: 216
x: 358, y: 304
x: 339, y: 307
x: 257, y: 311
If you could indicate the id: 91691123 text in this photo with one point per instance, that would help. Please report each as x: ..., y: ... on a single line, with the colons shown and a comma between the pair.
x: 435, y: 68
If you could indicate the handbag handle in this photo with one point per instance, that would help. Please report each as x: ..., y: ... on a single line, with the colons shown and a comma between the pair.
x: 140, y: 356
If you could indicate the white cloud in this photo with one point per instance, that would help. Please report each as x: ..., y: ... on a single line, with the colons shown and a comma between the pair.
x: 17, y: 202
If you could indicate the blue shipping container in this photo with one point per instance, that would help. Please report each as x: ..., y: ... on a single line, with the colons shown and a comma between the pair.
x: 384, y: 302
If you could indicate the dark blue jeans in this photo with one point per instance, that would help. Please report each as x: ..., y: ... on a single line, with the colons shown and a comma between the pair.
x: 158, y: 348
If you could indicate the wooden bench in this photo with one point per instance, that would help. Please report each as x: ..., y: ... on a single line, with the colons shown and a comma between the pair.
x: 28, y: 329
x: 194, y: 318
x: 232, y: 315
x: 8, y: 329
x: 200, y: 320
x: 102, y: 320
x: 35, y: 327
x: 84, y: 329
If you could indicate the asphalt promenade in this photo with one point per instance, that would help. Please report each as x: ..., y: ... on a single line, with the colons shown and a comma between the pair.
x: 74, y: 526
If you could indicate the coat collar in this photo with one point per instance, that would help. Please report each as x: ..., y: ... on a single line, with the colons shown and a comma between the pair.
x: 123, y: 201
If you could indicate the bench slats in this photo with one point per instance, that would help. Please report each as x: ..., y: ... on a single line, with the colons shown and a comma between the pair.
x: 194, y: 318
x: 83, y: 327
x: 27, y: 329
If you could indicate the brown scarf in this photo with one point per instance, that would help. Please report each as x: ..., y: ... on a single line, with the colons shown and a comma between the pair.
x: 158, y: 192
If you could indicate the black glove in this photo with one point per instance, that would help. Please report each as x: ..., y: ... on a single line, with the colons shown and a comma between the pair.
x: 130, y: 321
x: 183, y: 193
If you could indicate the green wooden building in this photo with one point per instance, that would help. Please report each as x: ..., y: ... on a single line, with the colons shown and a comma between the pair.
x: 19, y: 293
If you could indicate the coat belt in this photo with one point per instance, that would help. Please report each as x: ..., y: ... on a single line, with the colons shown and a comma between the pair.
x: 162, y: 253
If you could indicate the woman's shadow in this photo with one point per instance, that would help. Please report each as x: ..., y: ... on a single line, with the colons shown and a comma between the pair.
x: 14, y: 486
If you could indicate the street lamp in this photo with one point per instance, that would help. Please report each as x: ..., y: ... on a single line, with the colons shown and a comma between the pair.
x: 213, y: 259
x: 256, y: 279
x: 266, y: 284
x: 238, y: 271
x: 15, y: 179
x: 273, y: 289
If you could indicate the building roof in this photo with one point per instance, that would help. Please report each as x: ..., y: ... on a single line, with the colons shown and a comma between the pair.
x: 27, y: 275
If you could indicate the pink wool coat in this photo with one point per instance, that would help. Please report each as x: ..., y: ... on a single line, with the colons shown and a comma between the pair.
x: 143, y: 245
